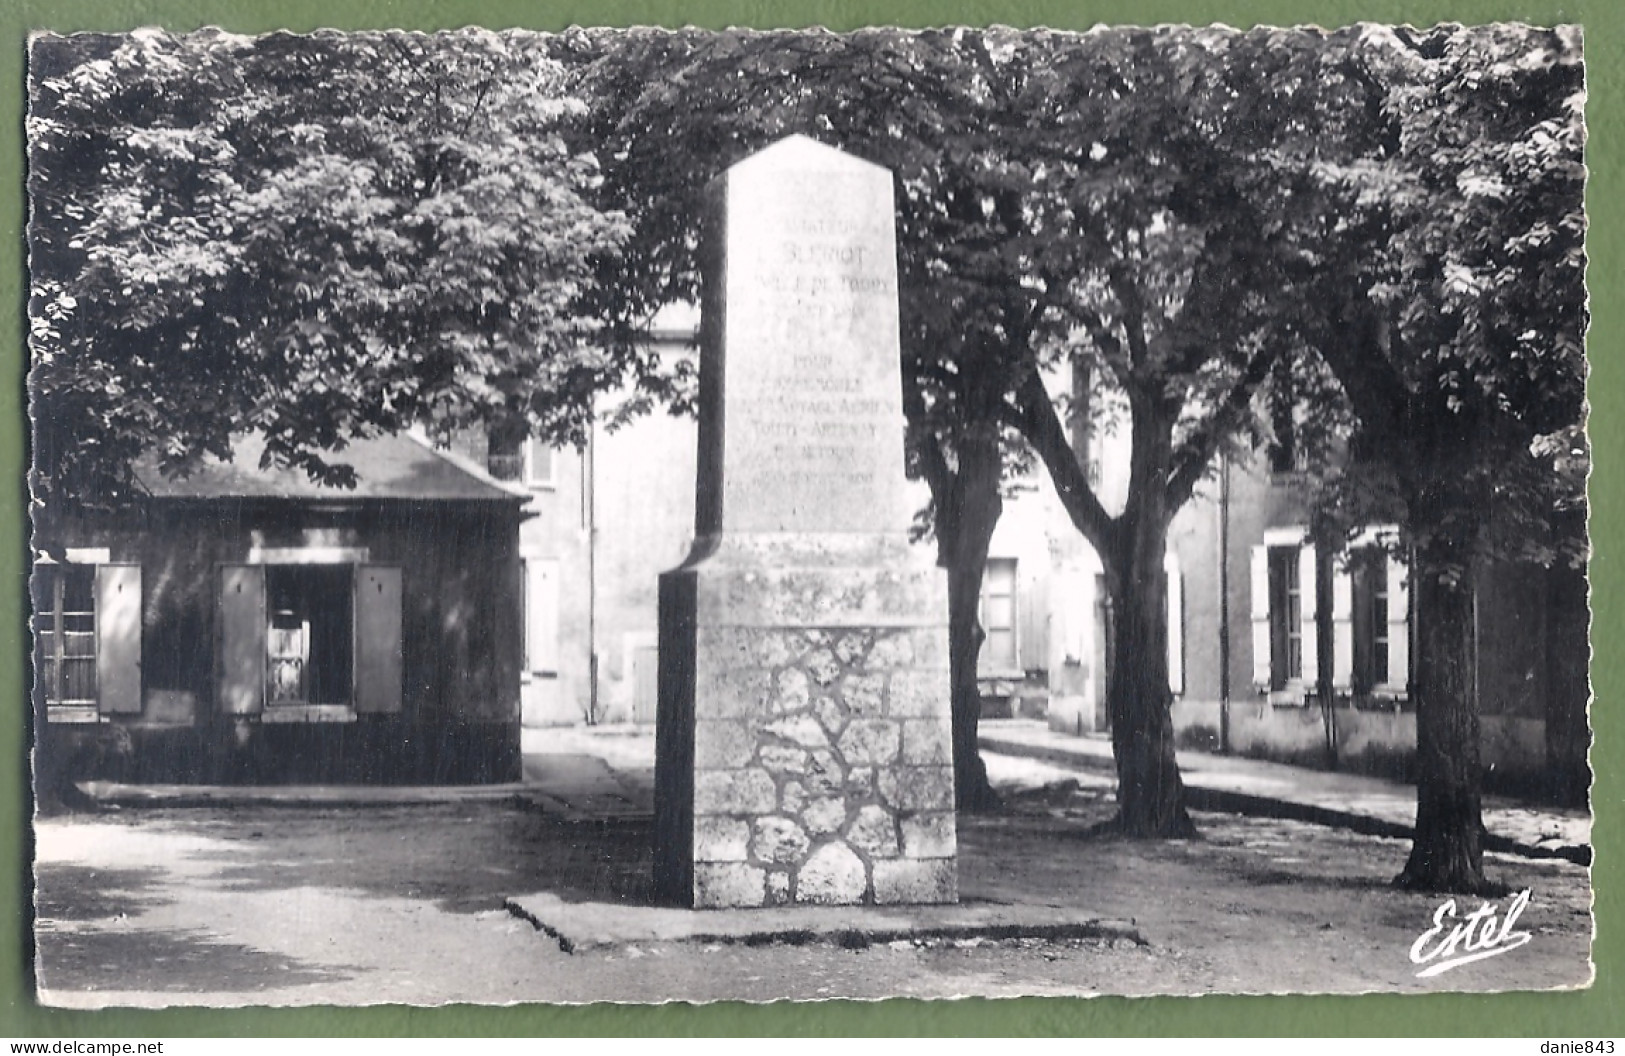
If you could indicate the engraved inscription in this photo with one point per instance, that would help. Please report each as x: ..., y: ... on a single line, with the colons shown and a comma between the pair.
x: 814, y: 424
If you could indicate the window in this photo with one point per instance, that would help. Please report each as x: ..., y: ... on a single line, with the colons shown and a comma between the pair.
x: 1369, y: 576
x: 309, y: 641
x: 998, y: 616
x: 1285, y: 656
x: 1371, y: 618
x: 505, y: 465
x: 65, y: 634
x: 512, y: 456
x: 1286, y: 617
x: 87, y: 639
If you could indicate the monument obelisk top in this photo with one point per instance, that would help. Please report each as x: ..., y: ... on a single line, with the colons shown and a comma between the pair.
x: 801, y: 333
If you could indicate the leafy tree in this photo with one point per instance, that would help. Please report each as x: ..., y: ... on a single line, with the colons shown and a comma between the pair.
x: 1158, y: 246
x: 1096, y: 200
x: 315, y: 238
x: 312, y: 237
x: 1442, y: 257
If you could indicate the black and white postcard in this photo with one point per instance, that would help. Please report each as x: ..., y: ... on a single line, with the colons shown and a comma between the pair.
x: 685, y: 515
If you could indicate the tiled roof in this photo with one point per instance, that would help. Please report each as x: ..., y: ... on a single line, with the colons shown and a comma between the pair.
x: 387, y: 467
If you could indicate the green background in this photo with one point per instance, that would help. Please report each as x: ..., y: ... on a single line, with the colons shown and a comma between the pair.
x: 1597, y: 1012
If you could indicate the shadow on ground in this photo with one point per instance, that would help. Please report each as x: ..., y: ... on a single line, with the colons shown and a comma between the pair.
x: 480, y: 854
x: 175, y: 960
x: 1255, y: 905
x: 65, y: 892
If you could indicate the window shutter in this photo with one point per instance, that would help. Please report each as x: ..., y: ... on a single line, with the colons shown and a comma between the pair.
x: 1399, y: 624
x: 1306, y: 621
x: 1033, y: 642
x: 999, y: 618
x: 542, y: 615
x: 538, y: 463
x: 377, y: 640
x: 1176, y: 624
x: 242, y: 639
x: 1261, y: 617
x: 1342, y: 628
x: 118, y: 639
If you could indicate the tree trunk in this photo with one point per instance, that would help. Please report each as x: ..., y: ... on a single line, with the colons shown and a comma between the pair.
x: 1568, y: 687
x: 1150, y: 793
x: 1448, y: 851
x: 976, y: 506
x: 972, y: 792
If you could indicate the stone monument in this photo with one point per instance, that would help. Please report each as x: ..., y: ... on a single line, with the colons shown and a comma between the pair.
x: 804, y: 749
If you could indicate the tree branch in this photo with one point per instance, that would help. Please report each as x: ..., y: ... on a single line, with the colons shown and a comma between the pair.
x: 1353, y: 350
x: 1128, y: 293
x: 1048, y: 297
x: 1196, y: 453
x: 933, y: 461
x: 1111, y: 349
x: 1036, y: 419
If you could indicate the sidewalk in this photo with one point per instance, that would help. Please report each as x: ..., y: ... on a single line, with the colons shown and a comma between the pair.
x: 1371, y: 805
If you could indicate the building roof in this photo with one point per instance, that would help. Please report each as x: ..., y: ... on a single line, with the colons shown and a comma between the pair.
x: 387, y: 467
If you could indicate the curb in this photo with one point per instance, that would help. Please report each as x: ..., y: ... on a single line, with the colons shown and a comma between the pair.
x: 112, y: 794
x: 582, y: 926
x: 1066, y: 758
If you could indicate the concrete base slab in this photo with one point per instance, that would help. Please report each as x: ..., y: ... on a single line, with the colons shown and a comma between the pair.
x: 114, y: 794
x: 579, y: 926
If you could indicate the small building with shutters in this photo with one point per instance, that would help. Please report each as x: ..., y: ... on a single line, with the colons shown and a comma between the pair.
x: 244, y: 624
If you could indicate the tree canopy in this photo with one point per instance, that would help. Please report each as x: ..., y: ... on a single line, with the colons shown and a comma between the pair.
x: 1372, y: 237
x: 1098, y: 199
x: 1444, y: 269
x: 1358, y: 236
x: 1441, y: 268
x: 312, y: 237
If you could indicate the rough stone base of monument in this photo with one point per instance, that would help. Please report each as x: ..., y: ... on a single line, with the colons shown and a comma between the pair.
x: 804, y: 748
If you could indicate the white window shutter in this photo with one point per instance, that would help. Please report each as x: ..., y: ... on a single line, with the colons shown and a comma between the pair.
x: 539, y: 463
x: 1399, y: 624
x: 378, y: 682
x: 1342, y: 628
x: 542, y: 615
x: 1309, y: 605
x: 1261, y: 617
x: 1032, y: 597
x: 118, y: 639
x: 1176, y: 624
x: 241, y: 629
